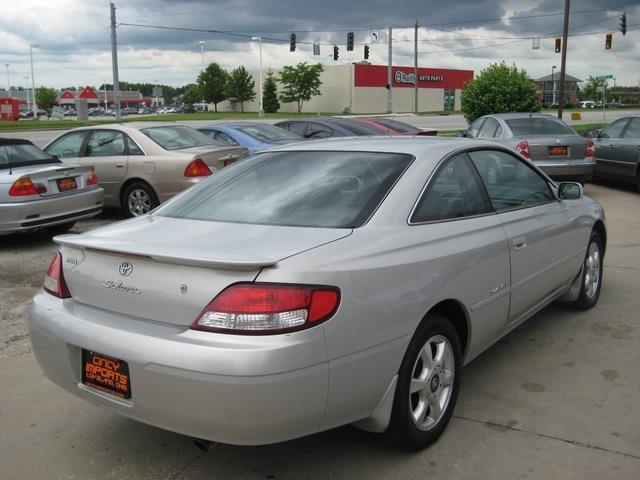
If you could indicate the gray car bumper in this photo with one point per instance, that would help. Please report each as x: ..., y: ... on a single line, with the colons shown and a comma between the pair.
x: 46, y: 212
x: 243, y: 390
x: 576, y: 170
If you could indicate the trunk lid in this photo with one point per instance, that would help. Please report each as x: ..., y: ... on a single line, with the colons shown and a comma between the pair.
x: 540, y: 147
x: 217, y: 157
x: 168, y: 270
x: 54, y: 178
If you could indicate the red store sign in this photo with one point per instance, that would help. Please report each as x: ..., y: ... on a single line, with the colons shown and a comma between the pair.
x: 404, y: 77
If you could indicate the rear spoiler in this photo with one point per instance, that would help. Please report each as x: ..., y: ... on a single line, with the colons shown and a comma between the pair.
x: 166, y: 254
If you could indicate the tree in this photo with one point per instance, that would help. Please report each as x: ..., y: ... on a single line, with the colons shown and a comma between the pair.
x: 300, y: 83
x: 240, y: 86
x: 192, y: 94
x: 270, y: 102
x: 590, y: 90
x: 212, y: 82
x: 498, y: 89
x: 46, y: 97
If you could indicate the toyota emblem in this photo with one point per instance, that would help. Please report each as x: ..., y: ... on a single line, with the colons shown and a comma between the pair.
x: 125, y: 269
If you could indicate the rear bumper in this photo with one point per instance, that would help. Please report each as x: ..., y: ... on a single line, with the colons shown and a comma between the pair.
x: 576, y: 170
x: 46, y: 212
x: 245, y: 390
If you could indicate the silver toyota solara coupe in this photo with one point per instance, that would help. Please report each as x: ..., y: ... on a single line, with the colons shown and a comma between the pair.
x: 316, y: 285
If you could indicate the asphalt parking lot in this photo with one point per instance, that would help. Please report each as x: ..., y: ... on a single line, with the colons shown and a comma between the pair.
x: 556, y: 398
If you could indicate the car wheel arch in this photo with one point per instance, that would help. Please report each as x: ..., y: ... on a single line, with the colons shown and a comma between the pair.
x: 602, y: 231
x: 131, y: 181
x: 457, y: 314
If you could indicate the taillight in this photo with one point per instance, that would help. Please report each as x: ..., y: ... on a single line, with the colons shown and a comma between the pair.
x: 24, y: 186
x: 249, y: 308
x: 197, y: 168
x: 93, y: 178
x: 523, y: 149
x: 591, y: 149
x: 54, y: 281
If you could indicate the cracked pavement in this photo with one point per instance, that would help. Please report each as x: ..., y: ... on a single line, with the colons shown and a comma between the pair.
x: 556, y: 398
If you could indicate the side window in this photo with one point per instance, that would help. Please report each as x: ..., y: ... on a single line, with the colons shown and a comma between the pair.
x: 296, y: 127
x: 499, y: 131
x: 105, y: 143
x: 510, y: 182
x: 633, y: 130
x: 316, y: 130
x: 133, y: 147
x: 454, y: 192
x: 68, y: 145
x: 225, y: 139
x: 615, y: 129
x: 473, y: 129
x: 488, y: 129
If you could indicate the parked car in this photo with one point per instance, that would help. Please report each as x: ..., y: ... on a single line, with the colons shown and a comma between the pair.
x: 587, y: 104
x: 545, y: 140
x: 389, y: 126
x: 37, y: 191
x: 315, y: 285
x: 141, y: 165
x: 618, y: 150
x: 324, y: 127
x: 254, y: 136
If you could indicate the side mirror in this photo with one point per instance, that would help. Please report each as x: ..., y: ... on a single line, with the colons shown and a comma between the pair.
x: 461, y: 133
x: 569, y: 191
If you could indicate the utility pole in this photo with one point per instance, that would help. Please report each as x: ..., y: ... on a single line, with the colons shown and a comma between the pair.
x: 415, y: 68
x: 563, y: 65
x: 114, y: 62
x: 33, y: 81
x: 8, y: 81
x: 390, y: 75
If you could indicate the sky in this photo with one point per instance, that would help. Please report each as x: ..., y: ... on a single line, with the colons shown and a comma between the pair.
x: 75, y: 44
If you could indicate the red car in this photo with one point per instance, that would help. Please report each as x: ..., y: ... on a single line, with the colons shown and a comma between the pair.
x: 393, y: 127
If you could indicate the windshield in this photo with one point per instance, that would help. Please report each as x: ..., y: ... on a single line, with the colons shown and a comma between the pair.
x: 23, y: 154
x: 175, y: 138
x: 538, y: 126
x: 397, y: 126
x: 268, y: 133
x: 294, y: 188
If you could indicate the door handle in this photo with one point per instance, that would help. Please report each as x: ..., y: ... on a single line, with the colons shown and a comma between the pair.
x: 119, y: 165
x: 519, y: 243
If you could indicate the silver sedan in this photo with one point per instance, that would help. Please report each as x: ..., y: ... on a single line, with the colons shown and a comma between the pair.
x: 545, y: 140
x: 37, y: 191
x: 316, y: 285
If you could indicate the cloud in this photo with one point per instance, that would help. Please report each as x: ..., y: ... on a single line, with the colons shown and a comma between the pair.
x: 75, y: 39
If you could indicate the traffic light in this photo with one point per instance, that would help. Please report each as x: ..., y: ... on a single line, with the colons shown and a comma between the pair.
x: 558, y: 45
x: 292, y: 42
x: 623, y: 23
x: 607, y: 41
x: 349, y: 41
x: 335, y: 52
x: 366, y: 52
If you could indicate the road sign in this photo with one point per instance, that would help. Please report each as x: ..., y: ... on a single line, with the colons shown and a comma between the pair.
x: 604, y: 77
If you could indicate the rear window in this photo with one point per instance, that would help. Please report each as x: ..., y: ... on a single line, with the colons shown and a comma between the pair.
x: 294, y: 188
x: 397, y: 126
x: 175, y: 138
x: 23, y: 154
x: 357, y: 128
x: 268, y: 133
x: 538, y: 126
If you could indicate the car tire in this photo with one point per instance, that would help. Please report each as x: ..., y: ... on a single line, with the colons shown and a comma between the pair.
x: 138, y: 199
x: 592, y: 271
x: 431, y: 367
x: 61, y: 228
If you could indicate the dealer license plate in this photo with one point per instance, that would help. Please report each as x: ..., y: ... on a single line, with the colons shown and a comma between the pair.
x: 106, y: 374
x: 65, y: 184
x: 558, y: 151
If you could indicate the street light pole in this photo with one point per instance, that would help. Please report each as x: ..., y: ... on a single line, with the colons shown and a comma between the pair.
x: 26, y: 81
x: 553, y: 87
x: 259, y: 39
x: 8, y: 81
x: 33, y: 81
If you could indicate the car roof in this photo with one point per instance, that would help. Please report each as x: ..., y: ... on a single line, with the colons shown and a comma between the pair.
x: 420, y: 146
x: 510, y: 116
x: 14, y: 141
x: 130, y: 126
